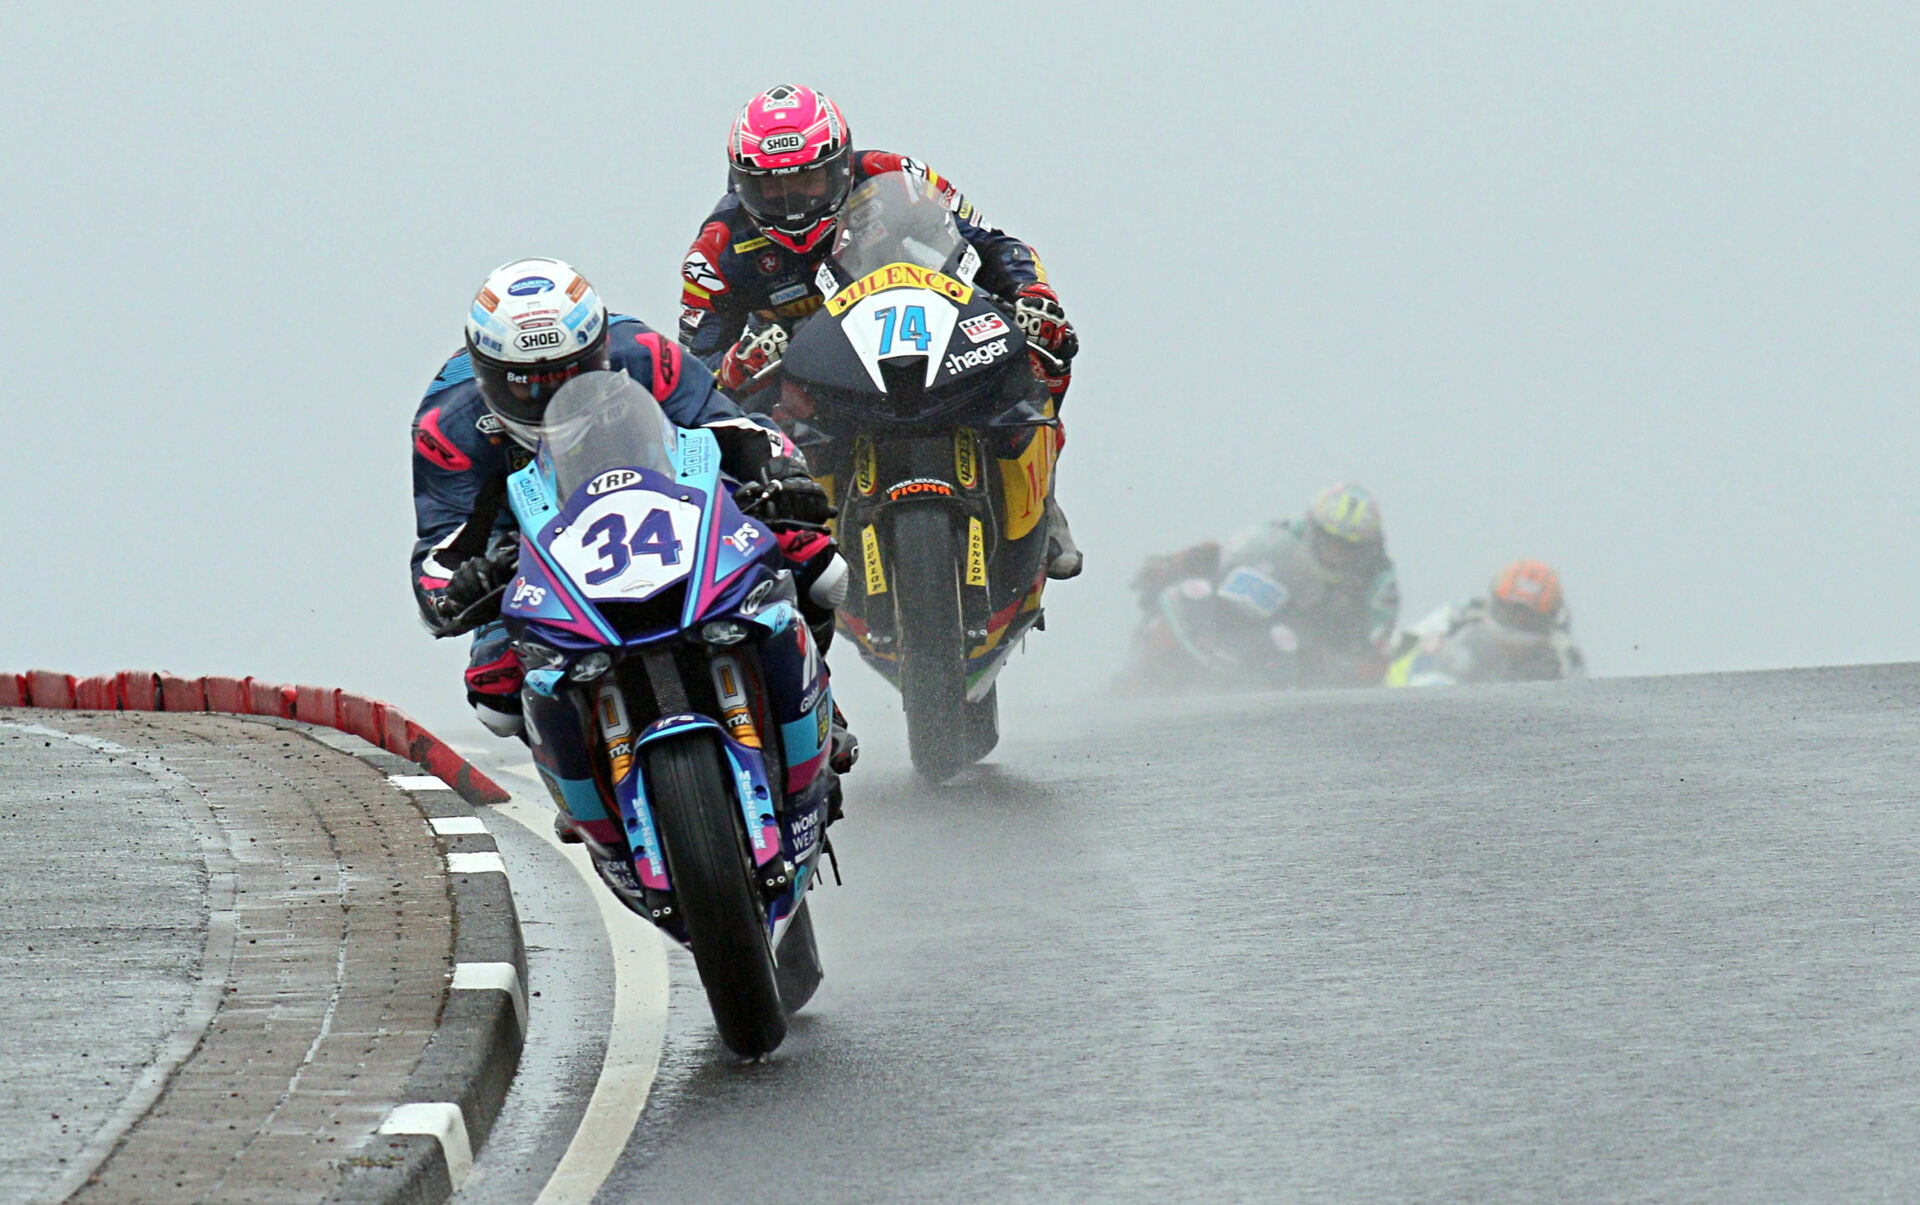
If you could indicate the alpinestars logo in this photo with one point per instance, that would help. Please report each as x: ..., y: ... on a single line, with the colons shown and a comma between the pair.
x: 959, y: 362
x: 700, y: 271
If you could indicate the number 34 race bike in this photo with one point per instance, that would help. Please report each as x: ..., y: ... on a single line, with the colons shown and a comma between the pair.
x: 676, y: 704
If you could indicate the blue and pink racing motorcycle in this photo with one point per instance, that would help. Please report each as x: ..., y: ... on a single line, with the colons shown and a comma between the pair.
x: 676, y: 704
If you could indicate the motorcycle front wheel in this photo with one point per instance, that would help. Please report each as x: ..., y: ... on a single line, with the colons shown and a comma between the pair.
x: 702, y: 835
x: 933, y: 641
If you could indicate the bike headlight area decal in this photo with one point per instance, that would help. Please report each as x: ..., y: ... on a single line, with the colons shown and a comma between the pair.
x: 900, y: 323
x: 628, y: 544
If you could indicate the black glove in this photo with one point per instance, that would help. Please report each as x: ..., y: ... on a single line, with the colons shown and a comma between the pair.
x: 786, y: 493
x: 480, y: 576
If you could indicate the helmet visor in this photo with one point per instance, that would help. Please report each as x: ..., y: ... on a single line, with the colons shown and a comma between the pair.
x: 519, y: 393
x: 1338, y: 555
x: 794, y: 200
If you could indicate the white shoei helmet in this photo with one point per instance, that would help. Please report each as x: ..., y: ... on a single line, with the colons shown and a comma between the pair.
x: 535, y: 324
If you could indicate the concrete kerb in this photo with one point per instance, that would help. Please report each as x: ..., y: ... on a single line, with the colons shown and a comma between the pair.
x: 426, y: 1145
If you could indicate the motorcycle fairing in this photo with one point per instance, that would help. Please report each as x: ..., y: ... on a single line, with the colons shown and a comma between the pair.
x: 748, y: 774
x: 530, y: 493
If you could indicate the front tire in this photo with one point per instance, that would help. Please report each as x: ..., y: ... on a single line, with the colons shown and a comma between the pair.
x: 933, y: 641
x: 701, y: 834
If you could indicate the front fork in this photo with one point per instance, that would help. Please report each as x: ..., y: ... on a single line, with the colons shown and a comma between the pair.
x: 746, y: 762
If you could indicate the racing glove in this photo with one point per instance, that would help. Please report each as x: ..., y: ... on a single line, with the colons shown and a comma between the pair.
x: 750, y: 362
x: 1040, y: 317
x: 786, y: 493
x: 476, y: 579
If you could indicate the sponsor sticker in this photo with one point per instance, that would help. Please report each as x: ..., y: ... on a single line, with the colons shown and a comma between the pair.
x: 752, y: 244
x: 959, y: 362
x: 870, y: 558
x: 691, y: 317
x: 898, y: 276
x: 613, y: 479
x: 825, y: 281
x: 966, y: 459
x: 863, y: 473
x: 529, y: 286
x: 976, y: 553
x: 982, y: 327
x: 577, y: 289
x: 782, y: 144
x: 537, y: 340
x: 918, y: 486
x: 969, y: 264
x: 769, y: 262
x: 487, y: 300
x: 789, y: 293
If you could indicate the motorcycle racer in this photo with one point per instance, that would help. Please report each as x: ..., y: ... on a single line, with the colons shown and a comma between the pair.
x: 1314, y: 599
x: 1519, y: 631
x: 534, y: 325
x: 750, y: 275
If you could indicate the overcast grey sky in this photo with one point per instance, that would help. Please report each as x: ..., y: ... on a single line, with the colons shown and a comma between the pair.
x: 1631, y: 288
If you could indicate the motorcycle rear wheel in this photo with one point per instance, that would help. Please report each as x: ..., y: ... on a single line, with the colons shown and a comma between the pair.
x: 701, y: 832
x: 933, y: 641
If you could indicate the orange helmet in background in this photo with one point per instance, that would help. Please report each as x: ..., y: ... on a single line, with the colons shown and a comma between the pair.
x: 1527, y: 597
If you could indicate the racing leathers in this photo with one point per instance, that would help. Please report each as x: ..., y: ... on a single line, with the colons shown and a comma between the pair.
x: 1264, y: 610
x: 1466, y: 643
x: 462, y: 457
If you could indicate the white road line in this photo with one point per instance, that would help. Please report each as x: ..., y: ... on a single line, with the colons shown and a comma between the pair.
x: 639, y: 1022
x: 456, y: 826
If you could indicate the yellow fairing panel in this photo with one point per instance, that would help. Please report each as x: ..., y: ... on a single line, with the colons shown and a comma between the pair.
x: 1026, y: 480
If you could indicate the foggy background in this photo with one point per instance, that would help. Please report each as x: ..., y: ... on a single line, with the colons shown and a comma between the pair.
x: 1629, y: 288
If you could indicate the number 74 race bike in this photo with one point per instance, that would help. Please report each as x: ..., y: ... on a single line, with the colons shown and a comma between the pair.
x: 676, y: 705
x: 911, y: 393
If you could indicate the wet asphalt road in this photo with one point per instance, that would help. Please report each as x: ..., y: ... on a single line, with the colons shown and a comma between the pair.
x: 1612, y: 940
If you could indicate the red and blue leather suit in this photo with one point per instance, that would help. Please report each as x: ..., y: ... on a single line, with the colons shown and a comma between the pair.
x: 733, y: 272
x: 458, y: 445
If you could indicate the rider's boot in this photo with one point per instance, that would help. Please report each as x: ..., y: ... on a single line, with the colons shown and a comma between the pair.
x: 846, y: 746
x: 1064, y: 558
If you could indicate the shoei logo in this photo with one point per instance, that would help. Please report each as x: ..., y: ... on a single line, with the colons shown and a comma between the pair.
x: 782, y: 144
x: 959, y: 362
x: 528, y: 286
x: 535, y: 340
x: 616, y: 479
x: 898, y: 276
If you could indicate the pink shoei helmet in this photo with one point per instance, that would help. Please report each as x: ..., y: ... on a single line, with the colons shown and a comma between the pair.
x: 791, y: 164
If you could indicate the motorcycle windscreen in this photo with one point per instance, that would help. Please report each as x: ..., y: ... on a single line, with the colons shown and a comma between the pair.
x: 896, y: 284
x: 626, y: 529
